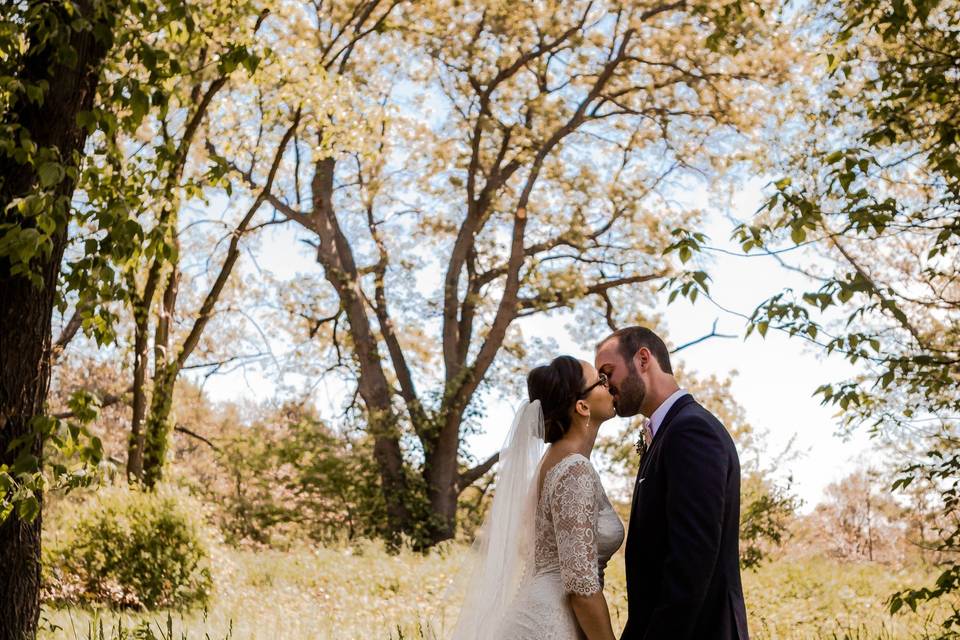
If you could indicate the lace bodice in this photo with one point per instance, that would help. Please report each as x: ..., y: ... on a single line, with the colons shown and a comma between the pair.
x: 577, y: 530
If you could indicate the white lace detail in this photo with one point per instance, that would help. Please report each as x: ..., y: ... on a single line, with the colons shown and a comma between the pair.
x: 573, y: 505
x: 577, y: 531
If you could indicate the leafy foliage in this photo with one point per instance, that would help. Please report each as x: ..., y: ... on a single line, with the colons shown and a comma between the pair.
x: 291, y: 477
x: 875, y: 185
x: 75, y: 457
x: 128, y: 548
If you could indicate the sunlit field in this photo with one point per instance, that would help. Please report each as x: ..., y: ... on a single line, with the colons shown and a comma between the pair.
x: 363, y: 592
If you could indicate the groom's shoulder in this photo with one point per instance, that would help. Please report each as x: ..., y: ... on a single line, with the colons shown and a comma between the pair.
x: 689, y: 410
x: 694, y: 417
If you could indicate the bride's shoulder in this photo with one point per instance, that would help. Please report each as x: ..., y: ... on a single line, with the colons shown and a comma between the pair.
x: 573, y: 463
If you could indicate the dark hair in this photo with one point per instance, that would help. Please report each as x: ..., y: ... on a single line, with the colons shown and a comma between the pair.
x: 630, y: 339
x: 557, y: 386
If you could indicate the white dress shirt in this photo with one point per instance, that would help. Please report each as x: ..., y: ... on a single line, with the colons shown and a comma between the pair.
x: 661, y: 412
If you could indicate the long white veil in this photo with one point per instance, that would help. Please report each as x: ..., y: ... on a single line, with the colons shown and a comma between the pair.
x: 503, y: 550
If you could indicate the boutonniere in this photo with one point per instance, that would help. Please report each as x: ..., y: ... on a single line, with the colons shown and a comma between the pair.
x: 641, y: 445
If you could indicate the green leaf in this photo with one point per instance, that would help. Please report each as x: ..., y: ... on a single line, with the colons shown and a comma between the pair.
x: 139, y: 105
x: 846, y: 178
x: 87, y: 120
x: 35, y: 92
x: 28, y: 508
x: 50, y: 174
x: 895, y: 605
x: 251, y: 62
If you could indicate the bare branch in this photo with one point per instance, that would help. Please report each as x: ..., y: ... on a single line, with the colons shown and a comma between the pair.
x: 182, y: 429
x: 470, y: 476
x: 556, y: 299
x: 713, y: 334
x: 68, y: 333
x: 220, y: 363
x: 107, y: 401
x: 233, y: 252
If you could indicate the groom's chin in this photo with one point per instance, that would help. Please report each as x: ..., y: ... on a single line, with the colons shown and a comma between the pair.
x: 625, y: 412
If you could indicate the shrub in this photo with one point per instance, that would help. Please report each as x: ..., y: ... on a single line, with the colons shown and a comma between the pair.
x: 129, y: 549
x: 291, y: 477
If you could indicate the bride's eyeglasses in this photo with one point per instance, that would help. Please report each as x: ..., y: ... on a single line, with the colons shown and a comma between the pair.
x: 602, y: 381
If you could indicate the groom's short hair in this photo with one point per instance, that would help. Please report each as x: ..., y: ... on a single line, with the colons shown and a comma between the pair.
x: 630, y: 339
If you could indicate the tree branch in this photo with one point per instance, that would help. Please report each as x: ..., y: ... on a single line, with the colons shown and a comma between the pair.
x: 713, y: 334
x: 68, y: 333
x: 184, y: 430
x: 108, y: 400
x: 233, y: 252
x: 470, y: 476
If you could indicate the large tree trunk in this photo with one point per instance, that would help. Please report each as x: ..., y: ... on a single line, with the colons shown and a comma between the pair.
x: 24, y: 343
x: 25, y: 314
x: 442, y: 475
x: 336, y: 256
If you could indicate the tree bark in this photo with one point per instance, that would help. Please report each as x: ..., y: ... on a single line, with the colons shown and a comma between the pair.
x: 141, y: 314
x: 169, y: 364
x: 340, y: 269
x: 26, y: 312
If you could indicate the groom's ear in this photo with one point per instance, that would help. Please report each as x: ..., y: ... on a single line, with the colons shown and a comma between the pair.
x: 642, y: 359
x: 638, y: 360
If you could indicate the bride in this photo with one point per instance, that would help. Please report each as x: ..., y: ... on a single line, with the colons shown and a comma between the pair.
x: 551, y: 529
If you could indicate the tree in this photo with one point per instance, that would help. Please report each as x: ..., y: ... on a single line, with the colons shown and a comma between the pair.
x: 532, y: 188
x: 221, y: 43
x: 205, y: 46
x: 873, y: 184
x: 69, y: 218
x: 860, y: 518
x: 153, y: 159
x: 51, y: 54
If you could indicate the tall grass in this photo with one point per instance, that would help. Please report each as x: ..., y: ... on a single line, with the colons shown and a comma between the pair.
x: 96, y: 628
x: 361, y: 591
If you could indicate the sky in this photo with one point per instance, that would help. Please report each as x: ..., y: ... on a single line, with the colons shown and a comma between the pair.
x: 773, y: 378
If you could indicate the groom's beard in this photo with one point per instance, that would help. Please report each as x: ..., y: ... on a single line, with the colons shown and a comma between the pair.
x: 630, y: 393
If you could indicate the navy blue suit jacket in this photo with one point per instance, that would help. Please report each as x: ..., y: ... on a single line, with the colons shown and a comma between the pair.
x: 682, y: 551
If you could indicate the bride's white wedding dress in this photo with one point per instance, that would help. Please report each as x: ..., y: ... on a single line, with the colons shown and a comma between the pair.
x: 537, y: 547
x: 576, y: 533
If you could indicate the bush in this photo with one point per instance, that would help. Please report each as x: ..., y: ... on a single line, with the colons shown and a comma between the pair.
x: 292, y: 477
x: 129, y: 549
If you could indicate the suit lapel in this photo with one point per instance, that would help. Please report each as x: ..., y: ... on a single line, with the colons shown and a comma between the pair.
x: 674, y: 410
x: 657, y: 439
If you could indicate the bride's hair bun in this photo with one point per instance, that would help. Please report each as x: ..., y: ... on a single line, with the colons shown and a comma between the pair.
x: 557, y: 386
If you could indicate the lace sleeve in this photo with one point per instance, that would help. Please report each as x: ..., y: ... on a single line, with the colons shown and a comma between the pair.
x: 574, y: 506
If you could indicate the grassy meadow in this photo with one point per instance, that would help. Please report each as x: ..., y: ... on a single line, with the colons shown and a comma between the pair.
x: 361, y: 591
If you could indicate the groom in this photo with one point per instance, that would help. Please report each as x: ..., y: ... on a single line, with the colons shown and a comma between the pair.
x: 682, y: 552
